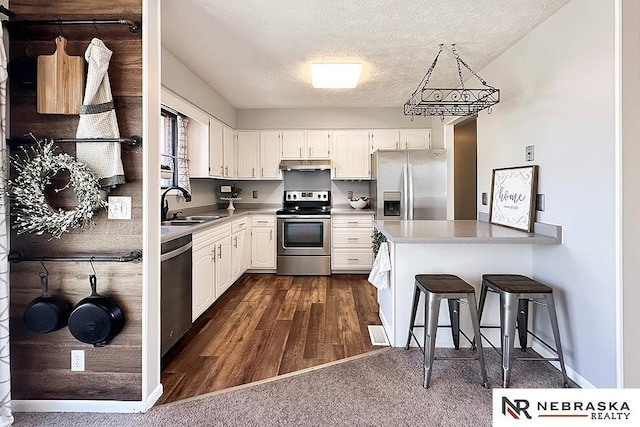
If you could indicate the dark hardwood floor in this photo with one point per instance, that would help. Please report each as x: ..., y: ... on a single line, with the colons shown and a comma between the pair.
x: 267, y: 325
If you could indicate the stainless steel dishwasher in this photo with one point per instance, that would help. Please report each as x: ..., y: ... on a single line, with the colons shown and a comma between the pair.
x: 175, y: 288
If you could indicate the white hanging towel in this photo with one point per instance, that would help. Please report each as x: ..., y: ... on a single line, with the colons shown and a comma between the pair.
x: 379, y: 276
x: 98, y: 120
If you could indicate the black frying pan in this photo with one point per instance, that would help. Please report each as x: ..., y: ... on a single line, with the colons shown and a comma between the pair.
x: 96, y: 319
x: 24, y: 69
x: 47, y: 313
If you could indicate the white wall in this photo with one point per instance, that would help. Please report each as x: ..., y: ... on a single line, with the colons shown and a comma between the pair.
x: 330, y: 118
x: 183, y: 82
x: 557, y: 93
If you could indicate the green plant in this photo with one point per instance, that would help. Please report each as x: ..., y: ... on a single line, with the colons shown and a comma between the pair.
x: 377, y: 238
x: 235, y: 191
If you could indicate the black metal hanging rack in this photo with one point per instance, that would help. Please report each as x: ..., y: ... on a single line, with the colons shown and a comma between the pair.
x: 133, y: 256
x: 134, y: 141
x: 135, y: 27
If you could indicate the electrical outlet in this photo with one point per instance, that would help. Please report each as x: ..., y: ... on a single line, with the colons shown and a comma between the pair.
x: 528, y: 153
x: 349, y: 195
x: 484, y: 199
x: 77, y: 360
x: 540, y: 202
x: 119, y: 207
x: 255, y: 194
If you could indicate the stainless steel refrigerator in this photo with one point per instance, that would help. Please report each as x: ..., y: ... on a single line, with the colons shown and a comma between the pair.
x: 409, y: 184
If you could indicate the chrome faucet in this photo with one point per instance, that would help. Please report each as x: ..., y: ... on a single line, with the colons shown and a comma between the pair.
x: 164, y: 205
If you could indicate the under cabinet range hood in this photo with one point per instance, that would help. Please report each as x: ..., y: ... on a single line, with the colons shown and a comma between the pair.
x: 305, y: 165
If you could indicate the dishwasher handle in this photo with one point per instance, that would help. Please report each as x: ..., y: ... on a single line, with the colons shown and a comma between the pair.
x: 174, y: 253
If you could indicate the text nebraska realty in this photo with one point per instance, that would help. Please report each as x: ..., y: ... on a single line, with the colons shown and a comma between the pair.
x: 598, y: 410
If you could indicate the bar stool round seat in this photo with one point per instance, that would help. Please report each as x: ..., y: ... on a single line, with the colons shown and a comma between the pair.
x: 436, y: 287
x: 516, y: 291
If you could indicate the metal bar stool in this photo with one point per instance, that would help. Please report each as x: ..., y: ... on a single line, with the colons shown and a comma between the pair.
x: 516, y: 291
x: 436, y: 287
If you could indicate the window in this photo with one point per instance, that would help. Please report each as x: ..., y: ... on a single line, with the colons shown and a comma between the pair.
x: 168, y: 148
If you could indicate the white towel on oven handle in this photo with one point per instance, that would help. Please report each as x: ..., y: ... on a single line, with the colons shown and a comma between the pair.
x: 379, y: 276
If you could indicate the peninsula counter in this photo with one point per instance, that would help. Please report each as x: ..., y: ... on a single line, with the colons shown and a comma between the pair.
x: 467, y: 249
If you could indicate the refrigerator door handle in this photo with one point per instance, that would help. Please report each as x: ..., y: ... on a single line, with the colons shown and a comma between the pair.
x: 405, y: 192
x: 410, y: 195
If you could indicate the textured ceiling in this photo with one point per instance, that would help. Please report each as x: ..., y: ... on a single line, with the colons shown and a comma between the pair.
x: 256, y: 53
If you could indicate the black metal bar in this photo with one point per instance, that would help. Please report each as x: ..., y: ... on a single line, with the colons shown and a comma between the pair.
x: 7, y: 12
x: 135, y: 27
x: 134, y: 141
x: 133, y: 256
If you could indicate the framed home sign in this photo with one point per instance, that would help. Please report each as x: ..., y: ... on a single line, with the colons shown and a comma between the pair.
x: 513, y: 192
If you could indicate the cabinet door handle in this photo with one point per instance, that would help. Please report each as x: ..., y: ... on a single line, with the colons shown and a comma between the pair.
x: 253, y: 172
x: 226, y: 171
x: 262, y: 222
x: 352, y: 222
x: 352, y: 259
x: 220, y: 251
x: 235, y: 241
x: 262, y: 172
x: 352, y: 238
x: 300, y: 152
x: 270, y: 234
x: 309, y: 151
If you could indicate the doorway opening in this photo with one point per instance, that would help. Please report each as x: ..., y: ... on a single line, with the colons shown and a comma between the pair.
x: 465, y: 149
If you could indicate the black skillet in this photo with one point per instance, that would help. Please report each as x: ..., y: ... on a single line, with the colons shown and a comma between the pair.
x: 96, y: 319
x: 24, y: 69
x: 47, y: 313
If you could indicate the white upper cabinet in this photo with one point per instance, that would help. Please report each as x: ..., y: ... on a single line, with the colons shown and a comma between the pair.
x: 400, y: 139
x: 351, y: 158
x: 258, y: 154
x: 293, y: 144
x: 269, y: 155
x: 318, y: 144
x: 216, y: 158
x: 248, y: 154
x: 384, y: 139
x: 300, y: 144
x: 229, y: 152
x: 415, y: 139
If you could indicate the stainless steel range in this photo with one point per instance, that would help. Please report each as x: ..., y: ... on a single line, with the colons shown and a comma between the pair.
x: 304, y: 233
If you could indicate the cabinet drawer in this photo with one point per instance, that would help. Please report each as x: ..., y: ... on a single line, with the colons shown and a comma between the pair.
x: 360, y: 221
x: 352, y: 238
x: 346, y: 259
x: 210, y: 235
x: 239, y: 224
x: 263, y: 221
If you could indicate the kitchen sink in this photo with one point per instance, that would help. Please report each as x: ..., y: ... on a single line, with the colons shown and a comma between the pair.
x: 191, y: 220
x: 181, y: 222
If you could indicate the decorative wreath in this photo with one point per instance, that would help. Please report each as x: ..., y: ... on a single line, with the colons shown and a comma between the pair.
x: 31, y: 211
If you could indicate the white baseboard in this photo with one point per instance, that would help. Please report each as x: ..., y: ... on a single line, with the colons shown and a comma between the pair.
x: 573, y: 375
x: 104, y: 406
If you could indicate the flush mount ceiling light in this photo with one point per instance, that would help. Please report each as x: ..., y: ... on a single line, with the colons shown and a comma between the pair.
x: 325, y: 75
x: 450, y: 102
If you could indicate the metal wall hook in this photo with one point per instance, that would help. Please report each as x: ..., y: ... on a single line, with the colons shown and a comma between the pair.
x: 92, y: 267
x: 45, y: 268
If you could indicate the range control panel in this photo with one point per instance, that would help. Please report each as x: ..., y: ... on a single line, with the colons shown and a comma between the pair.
x: 291, y: 196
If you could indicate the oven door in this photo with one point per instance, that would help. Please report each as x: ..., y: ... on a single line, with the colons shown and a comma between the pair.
x: 304, y: 236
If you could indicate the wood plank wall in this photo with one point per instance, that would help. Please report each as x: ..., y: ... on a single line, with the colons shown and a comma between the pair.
x: 40, y: 363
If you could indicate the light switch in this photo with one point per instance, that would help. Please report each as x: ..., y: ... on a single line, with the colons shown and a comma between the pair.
x: 119, y: 207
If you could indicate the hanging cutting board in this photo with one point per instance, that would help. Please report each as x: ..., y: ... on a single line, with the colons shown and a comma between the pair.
x: 60, y: 81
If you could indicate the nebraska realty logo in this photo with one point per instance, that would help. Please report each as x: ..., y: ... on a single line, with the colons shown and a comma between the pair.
x: 572, y: 407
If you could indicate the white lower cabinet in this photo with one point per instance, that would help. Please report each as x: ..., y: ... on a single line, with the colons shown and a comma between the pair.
x: 211, y: 267
x: 351, y: 242
x: 240, y: 249
x: 263, y: 242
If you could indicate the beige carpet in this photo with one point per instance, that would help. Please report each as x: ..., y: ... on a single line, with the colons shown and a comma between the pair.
x: 383, y: 388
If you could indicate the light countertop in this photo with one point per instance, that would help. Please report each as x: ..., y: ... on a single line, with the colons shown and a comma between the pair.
x: 173, y: 232
x: 460, y: 231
